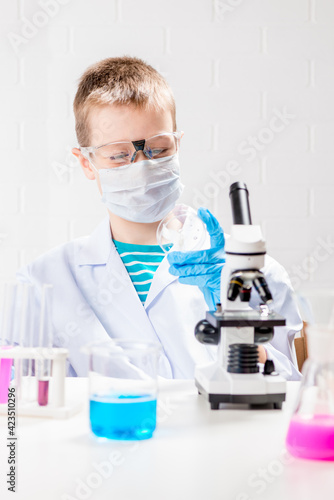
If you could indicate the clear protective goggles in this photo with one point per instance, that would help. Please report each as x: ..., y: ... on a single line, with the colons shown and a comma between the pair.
x: 117, y: 154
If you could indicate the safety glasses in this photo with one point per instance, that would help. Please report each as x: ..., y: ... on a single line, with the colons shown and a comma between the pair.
x: 117, y: 154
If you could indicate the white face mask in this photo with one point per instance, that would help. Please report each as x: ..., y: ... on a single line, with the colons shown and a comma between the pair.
x: 144, y: 191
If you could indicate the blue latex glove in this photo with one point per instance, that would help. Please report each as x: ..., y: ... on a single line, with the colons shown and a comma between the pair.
x: 202, y: 267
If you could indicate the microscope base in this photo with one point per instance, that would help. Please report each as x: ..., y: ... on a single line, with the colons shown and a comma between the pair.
x: 254, y: 400
x: 256, y: 389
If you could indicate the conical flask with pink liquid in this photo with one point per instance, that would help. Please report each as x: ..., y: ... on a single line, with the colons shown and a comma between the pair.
x: 311, y: 430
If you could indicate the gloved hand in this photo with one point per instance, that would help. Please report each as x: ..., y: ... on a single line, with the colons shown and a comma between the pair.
x: 202, y: 267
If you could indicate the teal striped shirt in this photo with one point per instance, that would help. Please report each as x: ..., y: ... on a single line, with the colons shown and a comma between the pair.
x: 141, y: 262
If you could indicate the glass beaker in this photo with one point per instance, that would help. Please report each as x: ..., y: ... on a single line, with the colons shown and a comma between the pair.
x: 181, y: 229
x: 311, y: 430
x: 123, y: 388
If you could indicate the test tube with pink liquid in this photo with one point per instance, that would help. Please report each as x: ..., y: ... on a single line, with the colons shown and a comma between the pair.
x: 43, y: 365
x: 9, y: 293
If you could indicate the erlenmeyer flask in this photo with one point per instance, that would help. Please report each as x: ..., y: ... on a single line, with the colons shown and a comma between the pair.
x: 311, y: 430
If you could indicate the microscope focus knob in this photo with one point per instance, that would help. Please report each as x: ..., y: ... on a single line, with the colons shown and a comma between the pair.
x: 263, y: 334
x: 269, y: 367
x: 205, y: 333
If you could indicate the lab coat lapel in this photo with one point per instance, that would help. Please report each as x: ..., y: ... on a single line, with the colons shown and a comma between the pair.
x: 110, y: 291
x: 161, y: 279
x: 126, y: 300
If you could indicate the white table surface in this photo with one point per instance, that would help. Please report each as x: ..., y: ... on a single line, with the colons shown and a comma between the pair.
x: 196, y: 453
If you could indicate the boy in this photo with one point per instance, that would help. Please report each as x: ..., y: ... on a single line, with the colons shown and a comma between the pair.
x: 117, y: 282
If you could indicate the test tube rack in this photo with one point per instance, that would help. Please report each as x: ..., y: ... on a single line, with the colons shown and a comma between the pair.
x: 60, y: 405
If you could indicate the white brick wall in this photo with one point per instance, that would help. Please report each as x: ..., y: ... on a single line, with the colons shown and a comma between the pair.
x: 231, y: 65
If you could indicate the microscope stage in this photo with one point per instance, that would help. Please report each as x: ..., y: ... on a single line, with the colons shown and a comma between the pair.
x: 246, y: 318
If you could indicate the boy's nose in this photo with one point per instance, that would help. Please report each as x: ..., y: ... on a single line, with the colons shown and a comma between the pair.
x: 140, y: 156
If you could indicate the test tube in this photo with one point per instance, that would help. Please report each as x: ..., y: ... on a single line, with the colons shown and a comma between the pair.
x: 31, y: 328
x: 43, y: 371
x: 6, y: 363
x: 5, y: 372
x: 26, y: 310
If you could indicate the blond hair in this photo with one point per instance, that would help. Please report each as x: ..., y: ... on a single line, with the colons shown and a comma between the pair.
x: 119, y: 80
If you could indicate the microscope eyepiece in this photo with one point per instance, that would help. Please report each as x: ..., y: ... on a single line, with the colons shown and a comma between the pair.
x: 240, y: 203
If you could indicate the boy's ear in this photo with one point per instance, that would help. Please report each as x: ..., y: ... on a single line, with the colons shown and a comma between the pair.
x: 85, y: 165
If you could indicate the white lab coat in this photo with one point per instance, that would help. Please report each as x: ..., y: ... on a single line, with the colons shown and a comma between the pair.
x: 94, y: 298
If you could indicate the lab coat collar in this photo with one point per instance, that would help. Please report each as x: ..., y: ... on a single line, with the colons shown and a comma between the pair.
x: 97, y: 247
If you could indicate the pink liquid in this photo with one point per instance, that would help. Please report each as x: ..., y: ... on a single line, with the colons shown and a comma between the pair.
x: 5, y: 370
x: 311, y: 438
x: 43, y: 392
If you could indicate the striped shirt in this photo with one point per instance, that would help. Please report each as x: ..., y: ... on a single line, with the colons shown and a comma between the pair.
x: 141, y: 262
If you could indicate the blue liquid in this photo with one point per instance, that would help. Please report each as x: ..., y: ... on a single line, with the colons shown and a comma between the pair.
x: 123, y: 417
